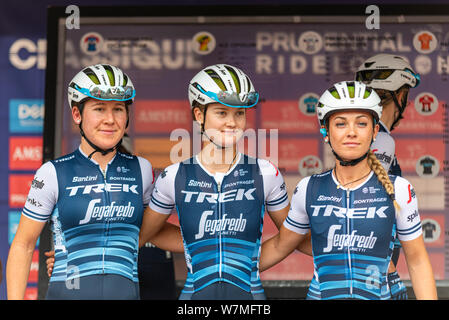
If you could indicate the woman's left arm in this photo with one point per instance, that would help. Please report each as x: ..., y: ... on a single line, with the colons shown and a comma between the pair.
x: 420, y: 269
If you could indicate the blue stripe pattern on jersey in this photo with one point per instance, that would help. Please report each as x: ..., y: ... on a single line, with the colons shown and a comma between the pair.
x: 96, y: 221
x: 351, y: 255
x: 222, y: 239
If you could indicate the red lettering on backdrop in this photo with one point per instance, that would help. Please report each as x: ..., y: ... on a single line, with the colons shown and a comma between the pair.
x: 25, y: 153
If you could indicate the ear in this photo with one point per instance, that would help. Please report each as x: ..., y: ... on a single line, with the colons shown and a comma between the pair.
x: 76, y: 114
x: 376, y: 131
x: 199, y: 115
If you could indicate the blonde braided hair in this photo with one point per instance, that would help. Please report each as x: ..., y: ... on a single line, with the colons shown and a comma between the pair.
x: 383, y: 177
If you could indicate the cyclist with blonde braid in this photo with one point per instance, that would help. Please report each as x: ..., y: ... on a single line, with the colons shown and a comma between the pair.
x: 392, y: 77
x: 353, y: 211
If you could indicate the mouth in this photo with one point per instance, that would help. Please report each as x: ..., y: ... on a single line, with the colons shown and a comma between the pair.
x: 351, y: 144
x: 107, y: 132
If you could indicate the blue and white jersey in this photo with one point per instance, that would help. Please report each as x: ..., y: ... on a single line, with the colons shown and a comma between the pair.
x: 353, y: 232
x: 221, y: 218
x: 95, y: 215
x: 384, y: 148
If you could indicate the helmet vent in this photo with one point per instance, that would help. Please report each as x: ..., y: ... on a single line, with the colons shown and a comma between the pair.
x: 216, y: 78
x: 110, y: 74
x: 235, y: 78
x: 91, y: 75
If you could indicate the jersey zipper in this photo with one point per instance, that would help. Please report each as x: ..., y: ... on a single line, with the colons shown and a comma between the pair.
x: 219, y: 233
x: 349, y: 233
x: 106, y: 198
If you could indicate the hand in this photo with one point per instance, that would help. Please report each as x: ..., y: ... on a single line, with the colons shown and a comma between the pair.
x: 50, y: 262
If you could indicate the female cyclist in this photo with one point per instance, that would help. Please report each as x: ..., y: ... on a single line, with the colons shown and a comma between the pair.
x: 94, y: 197
x: 353, y: 211
x: 391, y: 76
x: 220, y: 194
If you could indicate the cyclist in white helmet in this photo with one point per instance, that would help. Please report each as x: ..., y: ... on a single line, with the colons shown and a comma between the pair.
x: 353, y: 211
x: 391, y: 76
x: 220, y: 194
x: 94, y: 198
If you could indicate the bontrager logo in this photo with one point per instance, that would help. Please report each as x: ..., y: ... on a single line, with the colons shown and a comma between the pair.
x: 223, y: 225
x: 352, y: 241
x: 231, y: 195
x: 99, y: 188
x: 109, y: 212
x: 355, y: 213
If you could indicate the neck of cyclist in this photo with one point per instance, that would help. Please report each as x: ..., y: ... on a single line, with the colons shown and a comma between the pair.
x: 347, y: 174
x: 217, y: 158
x: 97, y: 156
x: 390, y: 111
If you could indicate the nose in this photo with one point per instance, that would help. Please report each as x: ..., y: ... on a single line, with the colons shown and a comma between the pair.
x: 109, y: 116
x: 352, y: 130
x: 231, y: 121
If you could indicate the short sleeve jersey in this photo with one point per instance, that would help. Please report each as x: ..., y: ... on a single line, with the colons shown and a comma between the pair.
x: 384, y: 149
x: 95, y: 217
x: 353, y: 233
x: 221, y: 221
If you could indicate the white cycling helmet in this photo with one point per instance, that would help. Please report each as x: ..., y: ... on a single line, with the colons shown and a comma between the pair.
x: 388, y: 72
x: 103, y: 82
x: 348, y: 95
x: 343, y: 96
x: 224, y: 84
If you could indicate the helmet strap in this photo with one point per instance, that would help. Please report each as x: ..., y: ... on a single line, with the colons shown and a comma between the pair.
x: 95, y: 147
x: 348, y: 163
x: 203, y: 131
x: 400, y: 106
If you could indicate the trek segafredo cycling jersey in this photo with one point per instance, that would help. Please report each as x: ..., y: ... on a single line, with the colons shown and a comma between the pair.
x: 221, y: 221
x: 95, y: 216
x: 353, y: 231
x: 384, y: 149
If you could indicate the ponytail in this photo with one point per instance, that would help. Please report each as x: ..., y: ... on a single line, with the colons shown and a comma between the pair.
x: 383, y: 177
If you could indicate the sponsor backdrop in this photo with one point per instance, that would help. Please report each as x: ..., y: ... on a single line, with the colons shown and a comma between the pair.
x: 290, y: 65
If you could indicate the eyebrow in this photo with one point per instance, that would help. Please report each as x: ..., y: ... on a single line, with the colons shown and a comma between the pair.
x: 344, y: 118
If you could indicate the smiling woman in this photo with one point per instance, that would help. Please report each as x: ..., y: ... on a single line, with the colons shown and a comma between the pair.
x: 220, y: 194
x: 94, y: 198
x: 354, y: 211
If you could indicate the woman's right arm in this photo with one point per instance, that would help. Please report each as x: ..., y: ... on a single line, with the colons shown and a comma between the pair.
x: 278, y: 247
x: 20, y: 256
x: 158, y: 231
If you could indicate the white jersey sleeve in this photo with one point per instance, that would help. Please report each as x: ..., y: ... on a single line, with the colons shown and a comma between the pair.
x: 43, y: 194
x: 297, y: 219
x: 163, y: 197
x: 407, y: 219
x: 384, y: 149
x: 148, y: 180
x: 275, y: 191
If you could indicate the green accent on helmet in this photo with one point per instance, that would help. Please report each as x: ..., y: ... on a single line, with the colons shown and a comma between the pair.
x: 334, y: 93
x: 367, y: 94
x: 351, y: 91
x: 91, y: 76
x: 235, y: 78
x: 216, y: 78
x: 111, y: 77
